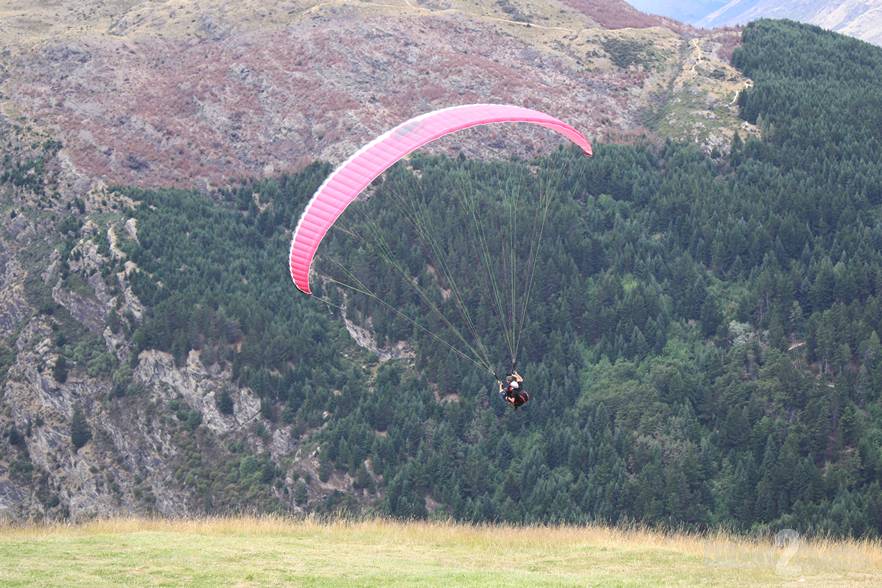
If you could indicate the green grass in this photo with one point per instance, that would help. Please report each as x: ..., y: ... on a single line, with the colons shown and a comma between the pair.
x: 269, y: 551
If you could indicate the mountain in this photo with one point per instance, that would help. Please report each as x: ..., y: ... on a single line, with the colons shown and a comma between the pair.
x: 133, y: 89
x: 702, y: 346
x: 857, y: 18
x: 96, y: 418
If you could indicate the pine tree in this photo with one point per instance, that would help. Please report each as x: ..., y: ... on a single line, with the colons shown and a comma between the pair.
x: 59, y: 371
x: 80, y: 433
x: 301, y: 494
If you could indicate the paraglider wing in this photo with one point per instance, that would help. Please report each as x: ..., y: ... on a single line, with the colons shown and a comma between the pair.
x: 354, y: 175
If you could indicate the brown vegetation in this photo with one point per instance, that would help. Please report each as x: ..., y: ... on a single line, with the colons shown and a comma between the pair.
x: 201, y: 95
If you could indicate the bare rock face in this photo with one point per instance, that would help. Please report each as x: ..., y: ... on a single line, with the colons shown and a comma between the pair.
x: 198, y: 387
x: 128, y: 465
x: 364, y: 338
x: 13, y: 307
x: 85, y: 431
x: 40, y: 405
x: 84, y: 308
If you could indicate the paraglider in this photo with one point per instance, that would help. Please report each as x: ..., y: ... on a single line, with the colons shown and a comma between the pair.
x: 512, y: 390
x: 344, y: 185
x: 341, y: 188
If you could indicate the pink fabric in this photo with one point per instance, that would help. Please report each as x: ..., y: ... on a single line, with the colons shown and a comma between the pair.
x: 348, y: 180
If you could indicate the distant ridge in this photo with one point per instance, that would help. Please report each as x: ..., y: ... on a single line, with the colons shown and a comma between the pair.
x: 857, y: 18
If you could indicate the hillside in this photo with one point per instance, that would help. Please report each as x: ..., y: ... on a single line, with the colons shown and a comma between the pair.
x: 142, y: 93
x: 251, y: 552
x: 196, y: 95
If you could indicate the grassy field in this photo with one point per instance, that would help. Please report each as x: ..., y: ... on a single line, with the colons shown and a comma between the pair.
x: 269, y: 551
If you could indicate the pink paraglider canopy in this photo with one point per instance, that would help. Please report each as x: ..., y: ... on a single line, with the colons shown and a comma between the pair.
x: 357, y: 172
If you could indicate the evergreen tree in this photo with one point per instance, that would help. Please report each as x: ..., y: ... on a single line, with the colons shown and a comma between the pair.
x: 80, y: 432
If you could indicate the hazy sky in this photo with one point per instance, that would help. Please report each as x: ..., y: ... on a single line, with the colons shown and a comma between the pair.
x: 682, y: 10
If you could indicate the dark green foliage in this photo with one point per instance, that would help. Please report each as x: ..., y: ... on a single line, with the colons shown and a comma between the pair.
x: 224, y: 290
x: 190, y: 418
x: 339, y: 504
x: 512, y: 10
x: 222, y: 479
x: 7, y: 358
x: 15, y: 438
x: 29, y: 174
x: 626, y: 52
x: 225, y: 402
x: 363, y: 480
x: 21, y: 468
x: 703, y: 346
x: 59, y: 371
x: 69, y: 226
x: 80, y: 432
x: 301, y: 494
x: 326, y: 468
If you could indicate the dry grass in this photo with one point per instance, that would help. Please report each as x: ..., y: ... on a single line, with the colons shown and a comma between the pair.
x: 272, y: 551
